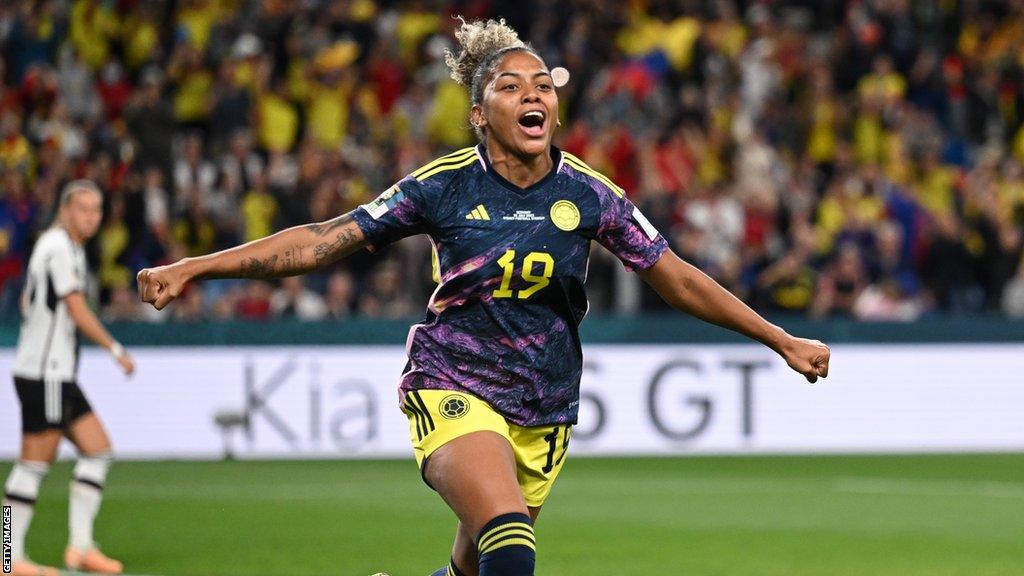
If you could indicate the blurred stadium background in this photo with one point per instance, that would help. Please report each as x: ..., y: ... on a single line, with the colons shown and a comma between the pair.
x: 852, y: 169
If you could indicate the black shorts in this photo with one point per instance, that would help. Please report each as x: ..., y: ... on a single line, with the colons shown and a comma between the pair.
x: 45, y: 406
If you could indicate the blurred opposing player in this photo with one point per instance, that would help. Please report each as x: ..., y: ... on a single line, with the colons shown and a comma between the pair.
x: 54, y: 310
x: 491, y: 390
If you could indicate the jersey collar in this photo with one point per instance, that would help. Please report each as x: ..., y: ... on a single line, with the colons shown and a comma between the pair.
x: 556, y: 165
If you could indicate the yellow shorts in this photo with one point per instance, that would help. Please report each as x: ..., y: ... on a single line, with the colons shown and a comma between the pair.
x: 439, y: 416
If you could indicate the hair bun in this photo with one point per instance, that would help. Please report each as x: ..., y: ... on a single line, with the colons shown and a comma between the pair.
x: 478, y: 39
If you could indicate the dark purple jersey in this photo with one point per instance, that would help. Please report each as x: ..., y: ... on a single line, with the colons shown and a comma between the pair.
x: 503, y: 322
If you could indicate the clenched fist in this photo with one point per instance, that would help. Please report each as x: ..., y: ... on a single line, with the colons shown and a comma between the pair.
x: 808, y: 357
x: 158, y: 286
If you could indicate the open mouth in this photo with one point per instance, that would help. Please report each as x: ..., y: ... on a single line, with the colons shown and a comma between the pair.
x: 532, y: 123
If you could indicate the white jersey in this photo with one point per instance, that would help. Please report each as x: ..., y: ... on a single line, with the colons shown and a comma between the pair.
x: 48, y: 343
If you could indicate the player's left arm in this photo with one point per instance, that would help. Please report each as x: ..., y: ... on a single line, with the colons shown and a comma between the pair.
x: 90, y: 325
x: 688, y: 289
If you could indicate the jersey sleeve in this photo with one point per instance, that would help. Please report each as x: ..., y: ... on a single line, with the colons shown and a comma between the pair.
x: 60, y: 266
x: 625, y: 232
x: 400, y: 211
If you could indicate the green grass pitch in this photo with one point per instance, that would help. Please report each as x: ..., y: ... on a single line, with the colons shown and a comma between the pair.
x: 754, y: 516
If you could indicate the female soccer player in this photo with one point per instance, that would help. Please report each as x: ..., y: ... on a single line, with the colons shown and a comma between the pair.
x: 45, y: 371
x: 492, y: 385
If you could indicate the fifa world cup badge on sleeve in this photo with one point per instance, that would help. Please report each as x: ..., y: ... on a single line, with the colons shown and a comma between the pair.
x: 384, y: 202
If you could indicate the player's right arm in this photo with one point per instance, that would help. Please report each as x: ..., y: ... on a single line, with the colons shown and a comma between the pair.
x: 290, y: 252
x: 90, y: 325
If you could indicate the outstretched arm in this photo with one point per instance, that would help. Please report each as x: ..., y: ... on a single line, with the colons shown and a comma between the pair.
x: 290, y: 252
x: 688, y: 289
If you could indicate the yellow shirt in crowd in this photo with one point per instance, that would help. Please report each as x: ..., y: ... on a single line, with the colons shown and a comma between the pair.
x: 113, y: 242
x: 327, y: 113
x: 258, y: 212
x: 822, y: 140
x: 93, y: 24
x: 935, y: 190
x: 193, y: 94
x: 449, y: 112
x: 279, y: 123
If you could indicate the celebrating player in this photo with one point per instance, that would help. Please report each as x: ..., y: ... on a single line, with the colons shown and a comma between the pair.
x: 492, y: 385
x: 52, y: 405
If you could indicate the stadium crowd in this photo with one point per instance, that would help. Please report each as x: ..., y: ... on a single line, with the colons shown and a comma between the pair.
x: 859, y: 158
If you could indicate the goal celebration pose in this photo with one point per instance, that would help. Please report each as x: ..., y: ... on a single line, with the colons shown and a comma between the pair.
x: 54, y: 309
x: 492, y: 385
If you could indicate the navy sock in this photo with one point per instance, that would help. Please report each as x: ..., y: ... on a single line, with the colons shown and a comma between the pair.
x: 507, y: 546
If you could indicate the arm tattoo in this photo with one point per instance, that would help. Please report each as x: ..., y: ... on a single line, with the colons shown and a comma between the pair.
x: 292, y: 263
x: 275, y: 266
x: 324, y: 228
x: 256, y: 268
x: 326, y: 252
x: 293, y: 260
x: 333, y: 248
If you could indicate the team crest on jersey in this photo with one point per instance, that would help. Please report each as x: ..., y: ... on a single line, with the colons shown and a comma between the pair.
x: 454, y: 406
x: 565, y: 215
